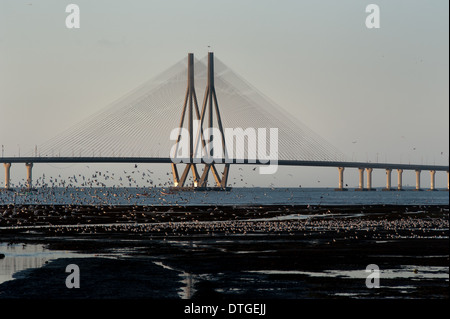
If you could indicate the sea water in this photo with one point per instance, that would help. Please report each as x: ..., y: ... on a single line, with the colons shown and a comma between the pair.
x: 235, y: 197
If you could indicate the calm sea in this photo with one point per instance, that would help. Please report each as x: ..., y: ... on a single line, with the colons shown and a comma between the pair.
x: 236, y: 196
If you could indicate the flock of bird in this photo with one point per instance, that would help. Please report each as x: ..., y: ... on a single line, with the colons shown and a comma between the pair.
x: 167, y: 221
x: 79, y: 191
x: 132, y: 178
x: 331, y: 229
x: 102, y: 187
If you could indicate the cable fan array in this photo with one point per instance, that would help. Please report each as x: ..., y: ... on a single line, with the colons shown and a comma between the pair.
x: 139, y: 124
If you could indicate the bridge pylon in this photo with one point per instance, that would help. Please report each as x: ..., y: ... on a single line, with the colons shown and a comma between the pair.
x: 210, y: 107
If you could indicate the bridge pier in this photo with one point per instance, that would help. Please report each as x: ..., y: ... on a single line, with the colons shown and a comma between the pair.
x: 418, y: 171
x: 388, y: 180
x: 369, y: 179
x: 361, y: 180
x: 7, y: 175
x: 399, y: 179
x: 341, y: 180
x: 448, y: 181
x: 29, y: 174
x: 432, y: 180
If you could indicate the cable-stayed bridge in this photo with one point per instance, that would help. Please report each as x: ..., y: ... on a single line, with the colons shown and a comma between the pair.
x: 139, y: 128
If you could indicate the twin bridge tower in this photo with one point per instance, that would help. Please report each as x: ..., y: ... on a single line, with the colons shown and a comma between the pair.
x: 210, y: 110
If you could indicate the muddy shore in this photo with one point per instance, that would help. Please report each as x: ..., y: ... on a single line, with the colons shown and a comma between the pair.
x: 221, y: 253
x: 47, y: 215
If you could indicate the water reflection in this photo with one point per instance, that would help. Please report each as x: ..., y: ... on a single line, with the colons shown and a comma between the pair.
x: 405, y: 271
x: 20, y: 257
x: 188, y: 281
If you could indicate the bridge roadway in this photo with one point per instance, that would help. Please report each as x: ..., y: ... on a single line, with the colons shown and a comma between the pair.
x: 362, y: 166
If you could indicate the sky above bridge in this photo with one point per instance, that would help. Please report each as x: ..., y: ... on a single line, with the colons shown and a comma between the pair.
x: 375, y: 94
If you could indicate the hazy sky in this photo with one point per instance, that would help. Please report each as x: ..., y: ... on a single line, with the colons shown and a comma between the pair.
x: 373, y: 93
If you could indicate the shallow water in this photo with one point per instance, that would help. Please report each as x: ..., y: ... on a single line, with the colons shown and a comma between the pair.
x: 20, y: 257
x: 23, y: 256
x: 411, y: 272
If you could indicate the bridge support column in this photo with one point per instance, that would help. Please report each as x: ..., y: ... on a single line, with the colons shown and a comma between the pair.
x: 29, y: 174
x: 7, y: 175
x: 448, y: 181
x: 432, y: 180
x: 418, y: 171
x: 388, y: 180
x: 399, y: 179
x: 361, y: 180
x: 209, y: 108
x: 341, y: 180
x: 369, y: 179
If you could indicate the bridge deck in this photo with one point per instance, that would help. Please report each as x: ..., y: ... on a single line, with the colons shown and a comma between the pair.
x: 243, y: 162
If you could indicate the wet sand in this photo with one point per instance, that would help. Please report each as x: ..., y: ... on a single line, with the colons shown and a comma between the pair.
x: 221, y: 253
x: 48, y: 215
